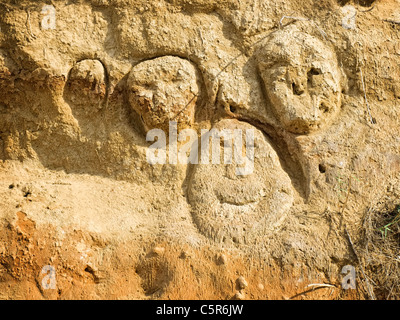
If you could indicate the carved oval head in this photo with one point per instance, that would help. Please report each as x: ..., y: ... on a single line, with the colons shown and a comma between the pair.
x: 301, y: 79
x: 87, y: 82
x: 162, y: 90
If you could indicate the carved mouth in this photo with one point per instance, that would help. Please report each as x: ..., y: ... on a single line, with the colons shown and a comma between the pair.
x: 239, y: 198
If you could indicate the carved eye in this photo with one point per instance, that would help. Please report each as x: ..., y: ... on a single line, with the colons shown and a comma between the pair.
x: 314, y: 72
x: 311, y: 73
x: 324, y: 107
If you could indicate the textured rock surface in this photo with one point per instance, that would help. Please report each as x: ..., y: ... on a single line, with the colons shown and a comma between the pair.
x: 82, y: 81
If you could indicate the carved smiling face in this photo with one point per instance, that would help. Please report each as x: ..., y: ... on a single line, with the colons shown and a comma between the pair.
x: 228, y: 207
x: 301, y: 79
x: 162, y: 90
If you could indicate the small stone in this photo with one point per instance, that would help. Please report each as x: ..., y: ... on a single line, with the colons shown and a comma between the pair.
x: 239, y: 296
x: 241, y: 283
x: 222, y: 259
x: 159, y: 251
x: 260, y: 286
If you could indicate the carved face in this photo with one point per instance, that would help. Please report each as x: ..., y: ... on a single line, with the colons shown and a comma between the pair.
x: 301, y: 79
x: 86, y: 83
x: 228, y: 207
x: 162, y: 90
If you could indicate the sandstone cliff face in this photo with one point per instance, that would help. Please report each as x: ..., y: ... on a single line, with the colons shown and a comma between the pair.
x: 83, y: 82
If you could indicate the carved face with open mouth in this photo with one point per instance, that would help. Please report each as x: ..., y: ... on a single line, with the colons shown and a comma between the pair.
x: 164, y: 89
x: 302, y: 80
